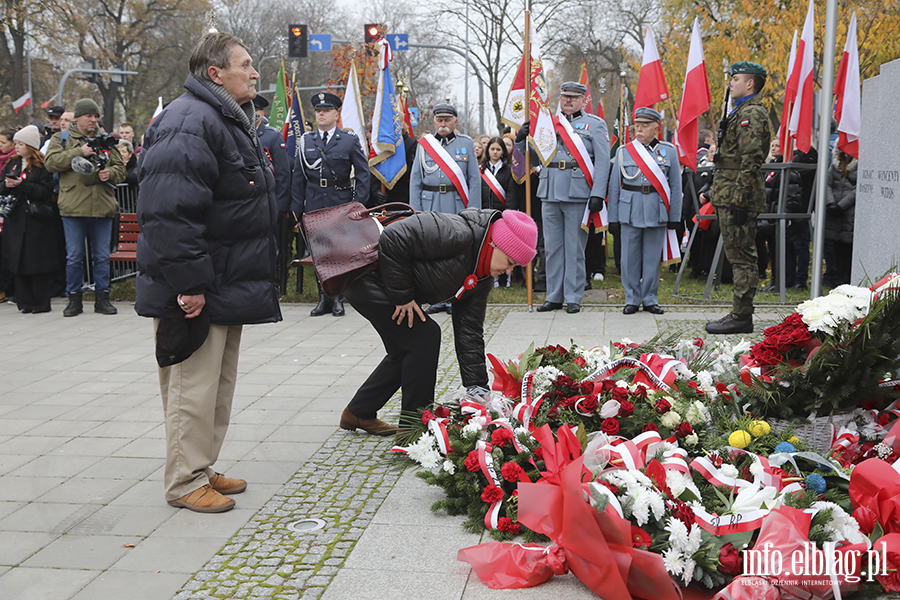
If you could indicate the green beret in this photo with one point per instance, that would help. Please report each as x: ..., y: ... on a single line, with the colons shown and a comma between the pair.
x: 748, y: 68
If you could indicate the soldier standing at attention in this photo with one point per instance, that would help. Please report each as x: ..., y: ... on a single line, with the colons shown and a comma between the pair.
x: 327, y: 158
x: 738, y: 190
x: 644, y: 200
x: 445, y: 175
x: 565, y: 191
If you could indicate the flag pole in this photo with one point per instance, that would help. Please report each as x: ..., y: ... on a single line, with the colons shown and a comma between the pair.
x: 529, y: 276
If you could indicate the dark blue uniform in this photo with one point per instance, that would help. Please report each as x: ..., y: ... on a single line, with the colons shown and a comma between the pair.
x: 273, y: 144
x: 322, y: 172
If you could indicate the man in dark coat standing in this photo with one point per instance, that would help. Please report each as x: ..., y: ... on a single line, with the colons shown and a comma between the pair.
x: 328, y: 157
x: 207, y: 211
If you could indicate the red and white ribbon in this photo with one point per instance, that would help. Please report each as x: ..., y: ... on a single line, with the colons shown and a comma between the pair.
x: 488, y: 176
x: 671, y: 249
x: 438, y: 428
x: 652, y: 379
x: 486, y: 461
x: 576, y: 148
x: 446, y: 163
x: 650, y: 169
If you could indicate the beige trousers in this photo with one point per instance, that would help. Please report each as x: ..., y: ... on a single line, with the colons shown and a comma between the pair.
x: 196, y: 397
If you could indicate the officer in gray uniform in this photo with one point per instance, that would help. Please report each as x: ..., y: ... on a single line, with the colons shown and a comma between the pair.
x: 564, y: 193
x: 327, y: 159
x: 429, y: 187
x: 638, y: 213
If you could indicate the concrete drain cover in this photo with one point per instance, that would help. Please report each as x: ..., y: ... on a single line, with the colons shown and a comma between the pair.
x: 306, y: 525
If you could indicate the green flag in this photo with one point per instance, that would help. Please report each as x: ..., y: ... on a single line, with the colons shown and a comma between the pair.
x: 281, y: 104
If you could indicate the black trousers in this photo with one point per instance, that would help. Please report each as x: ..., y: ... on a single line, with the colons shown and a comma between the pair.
x: 33, y: 292
x: 410, y: 364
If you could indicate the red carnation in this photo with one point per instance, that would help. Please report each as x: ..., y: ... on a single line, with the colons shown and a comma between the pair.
x: 649, y: 427
x: 442, y: 412
x: 662, y: 406
x: 626, y: 409
x: 590, y: 403
x: 866, y: 518
x: 501, y: 436
x: 730, y: 560
x: 640, y: 538
x: 492, y: 494
x: 507, y: 524
x: 883, y: 419
x: 610, y: 426
x: 698, y: 342
x: 539, y: 453
x: 580, y: 361
x: 427, y: 416
x: 683, y: 430
x: 620, y: 394
x: 471, y: 463
x: 511, y: 471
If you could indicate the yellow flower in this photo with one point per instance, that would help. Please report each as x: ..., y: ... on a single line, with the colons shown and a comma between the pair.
x: 759, y: 428
x: 793, y: 439
x: 739, y: 439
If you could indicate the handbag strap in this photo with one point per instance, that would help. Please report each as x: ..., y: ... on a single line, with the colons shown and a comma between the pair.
x: 385, y: 215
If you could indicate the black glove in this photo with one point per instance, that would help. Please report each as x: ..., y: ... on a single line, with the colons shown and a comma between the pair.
x: 673, y: 225
x: 378, y: 197
x: 834, y: 210
x: 523, y: 131
x: 739, y: 215
x: 614, y: 228
x: 595, y: 204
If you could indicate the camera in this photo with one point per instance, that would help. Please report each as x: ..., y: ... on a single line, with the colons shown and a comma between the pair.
x: 101, y: 144
x: 7, y: 205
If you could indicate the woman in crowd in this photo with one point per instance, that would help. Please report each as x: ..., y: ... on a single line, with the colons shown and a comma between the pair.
x: 30, y: 249
x: 432, y: 258
x: 840, y: 208
x: 7, y: 146
x: 479, y: 150
x: 496, y: 173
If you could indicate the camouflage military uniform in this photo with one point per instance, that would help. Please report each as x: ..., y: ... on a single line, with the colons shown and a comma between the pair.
x: 738, y: 182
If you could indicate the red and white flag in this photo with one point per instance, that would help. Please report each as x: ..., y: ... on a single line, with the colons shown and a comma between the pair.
x: 652, y: 86
x: 47, y: 103
x: 790, y: 95
x: 22, y: 102
x: 583, y: 80
x: 695, y: 101
x: 159, y: 109
x: 847, y: 109
x: 802, y: 112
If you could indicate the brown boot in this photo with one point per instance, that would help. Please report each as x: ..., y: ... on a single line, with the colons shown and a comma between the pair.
x: 227, y: 485
x: 351, y: 422
x: 204, y: 500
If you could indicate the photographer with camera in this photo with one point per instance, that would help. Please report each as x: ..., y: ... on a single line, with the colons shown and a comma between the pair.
x: 88, y: 167
x: 29, y: 222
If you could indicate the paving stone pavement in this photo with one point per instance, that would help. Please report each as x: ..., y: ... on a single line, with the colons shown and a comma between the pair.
x: 82, y: 514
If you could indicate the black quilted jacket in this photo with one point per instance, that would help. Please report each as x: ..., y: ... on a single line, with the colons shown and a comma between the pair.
x: 427, y: 258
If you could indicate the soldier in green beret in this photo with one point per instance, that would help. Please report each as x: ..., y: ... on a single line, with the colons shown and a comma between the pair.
x: 738, y: 190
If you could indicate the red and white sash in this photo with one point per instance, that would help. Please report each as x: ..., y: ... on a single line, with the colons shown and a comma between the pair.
x: 488, y: 176
x: 650, y: 169
x: 576, y: 148
x: 443, y: 159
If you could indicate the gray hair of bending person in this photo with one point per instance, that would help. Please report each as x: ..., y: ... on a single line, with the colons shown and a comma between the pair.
x: 213, y: 50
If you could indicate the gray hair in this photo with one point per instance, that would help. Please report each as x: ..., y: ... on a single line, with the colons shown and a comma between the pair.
x: 213, y: 50
x: 128, y: 145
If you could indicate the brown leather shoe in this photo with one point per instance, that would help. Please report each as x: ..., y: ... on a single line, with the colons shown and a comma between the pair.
x: 227, y: 485
x: 351, y: 422
x: 204, y: 500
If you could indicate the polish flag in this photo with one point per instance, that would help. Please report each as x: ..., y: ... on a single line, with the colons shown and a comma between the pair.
x: 583, y: 80
x: 48, y: 102
x: 22, y: 102
x: 790, y: 95
x: 652, y: 86
x: 695, y: 101
x: 802, y: 111
x: 847, y: 108
x: 156, y: 112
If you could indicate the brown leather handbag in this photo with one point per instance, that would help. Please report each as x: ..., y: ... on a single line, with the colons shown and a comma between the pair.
x: 343, y: 241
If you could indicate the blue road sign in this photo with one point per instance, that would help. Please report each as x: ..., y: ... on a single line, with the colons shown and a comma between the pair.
x: 398, y: 41
x: 320, y: 42
x: 414, y: 116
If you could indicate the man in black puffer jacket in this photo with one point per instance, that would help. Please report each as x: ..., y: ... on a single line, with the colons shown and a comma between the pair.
x: 430, y: 258
x: 207, y: 211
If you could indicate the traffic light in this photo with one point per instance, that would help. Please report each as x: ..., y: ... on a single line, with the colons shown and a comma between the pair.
x: 89, y: 62
x: 298, y: 44
x: 374, y: 32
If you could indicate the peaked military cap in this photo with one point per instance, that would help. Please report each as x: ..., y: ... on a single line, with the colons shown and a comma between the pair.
x: 748, y: 68
x: 444, y: 109
x: 325, y: 100
x: 260, y: 102
x: 572, y: 88
x: 645, y: 114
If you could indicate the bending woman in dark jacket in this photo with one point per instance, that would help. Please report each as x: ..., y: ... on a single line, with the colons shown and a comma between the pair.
x: 431, y: 258
x: 30, y: 250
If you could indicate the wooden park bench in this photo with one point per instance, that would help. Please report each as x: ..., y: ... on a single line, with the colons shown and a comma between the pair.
x: 126, y: 250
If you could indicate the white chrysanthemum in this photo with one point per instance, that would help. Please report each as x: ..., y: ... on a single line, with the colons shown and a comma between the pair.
x: 729, y: 471
x: 471, y: 430
x: 695, y: 538
x: 705, y: 380
x: 859, y: 297
x: 678, y: 534
x: 543, y: 377
x: 688, y: 573
x: 657, y: 505
x: 431, y: 459
x: 640, y: 505
x: 521, y: 430
x: 844, y: 526
x: 691, y: 440
x: 421, y: 447
x: 671, y: 419
x: 449, y: 467
x: 678, y: 482
x: 673, y: 561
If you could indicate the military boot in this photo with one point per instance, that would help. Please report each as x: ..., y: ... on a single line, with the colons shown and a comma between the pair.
x: 731, y: 323
x: 325, y: 304
x: 75, y: 307
x: 102, y: 304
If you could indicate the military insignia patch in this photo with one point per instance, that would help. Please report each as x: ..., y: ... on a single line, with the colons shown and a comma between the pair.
x: 744, y: 123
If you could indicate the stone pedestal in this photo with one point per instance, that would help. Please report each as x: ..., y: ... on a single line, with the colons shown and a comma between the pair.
x: 876, y: 234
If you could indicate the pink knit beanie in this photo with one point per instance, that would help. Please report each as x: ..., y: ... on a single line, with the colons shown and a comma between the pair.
x: 515, y: 233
